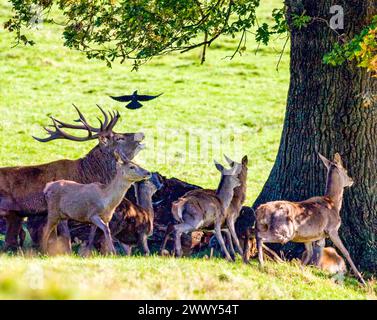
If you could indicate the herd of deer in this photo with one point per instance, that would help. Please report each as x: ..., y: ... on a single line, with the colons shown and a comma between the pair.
x: 92, y: 190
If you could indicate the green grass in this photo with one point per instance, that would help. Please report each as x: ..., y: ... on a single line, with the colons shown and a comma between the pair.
x: 165, y: 278
x: 243, y: 98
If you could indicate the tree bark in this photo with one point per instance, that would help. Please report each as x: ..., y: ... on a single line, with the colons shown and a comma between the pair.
x: 330, y: 109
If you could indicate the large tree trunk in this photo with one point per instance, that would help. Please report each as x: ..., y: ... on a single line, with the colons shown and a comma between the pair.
x: 330, y: 109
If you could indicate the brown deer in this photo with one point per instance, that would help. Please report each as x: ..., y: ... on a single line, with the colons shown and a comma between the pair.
x: 204, y: 209
x: 233, y: 211
x: 327, y: 259
x: 132, y: 223
x: 307, y: 221
x: 331, y: 261
x: 93, y: 203
x: 21, y: 188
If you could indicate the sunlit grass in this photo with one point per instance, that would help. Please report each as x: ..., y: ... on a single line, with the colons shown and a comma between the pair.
x: 165, y: 278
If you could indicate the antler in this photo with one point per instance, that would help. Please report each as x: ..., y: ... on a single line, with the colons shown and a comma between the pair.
x: 106, y: 127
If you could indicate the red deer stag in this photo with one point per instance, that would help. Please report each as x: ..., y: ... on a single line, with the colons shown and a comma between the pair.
x: 307, y: 221
x: 93, y: 203
x: 21, y: 188
x: 204, y: 209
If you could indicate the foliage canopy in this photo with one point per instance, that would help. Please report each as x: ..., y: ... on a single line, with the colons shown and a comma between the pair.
x: 138, y: 30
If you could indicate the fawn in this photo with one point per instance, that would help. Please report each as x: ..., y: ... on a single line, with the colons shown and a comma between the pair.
x: 133, y: 223
x: 204, y: 209
x: 92, y: 203
x: 235, y: 206
x: 307, y: 221
x: 326, y: 258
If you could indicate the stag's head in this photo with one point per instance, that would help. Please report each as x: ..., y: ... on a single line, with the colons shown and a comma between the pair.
x: 127, y: 145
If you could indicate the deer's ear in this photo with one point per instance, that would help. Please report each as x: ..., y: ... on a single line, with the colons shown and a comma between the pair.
x: 230, y: 161
x: 236, y: 169
x: 219, y: 166
x: 338, y: 159
x: 245, y: 160
x: 325, y: 161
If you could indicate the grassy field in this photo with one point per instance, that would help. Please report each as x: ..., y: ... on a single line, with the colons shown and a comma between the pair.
x: 165, y: 278
x: 232, y: 106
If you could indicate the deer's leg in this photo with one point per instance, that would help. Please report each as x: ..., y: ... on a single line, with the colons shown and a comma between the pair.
x: 127, y: 248
x: 92, y: 234
x: 339, y: 244
x: 96, y: 220
x: 317, y: 252
x: 260, y: 251
x: 14, y: 225
x: 21, y: 237
x: 35, y: 226
x: 232, y: 229
x: 246, y: 251
x: 246, y: 246
x: 220, y: 239
x: 49, y: 227
x: 143, y: 239
x: 89, y: 245
x: 179, y: 229
x: 309, y: 253
x: 230, y: 243
x: 169, y: 230
x: 65, y: 234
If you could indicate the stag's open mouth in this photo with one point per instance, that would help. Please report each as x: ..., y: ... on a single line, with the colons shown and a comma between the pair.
x: 139, y: 136
x: 141, y: 146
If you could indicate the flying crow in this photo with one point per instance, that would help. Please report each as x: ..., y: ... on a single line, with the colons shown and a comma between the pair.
x: 134, y: 98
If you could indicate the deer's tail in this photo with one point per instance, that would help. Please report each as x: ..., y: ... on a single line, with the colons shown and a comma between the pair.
x: 177, y: 209
x: 48, y: 189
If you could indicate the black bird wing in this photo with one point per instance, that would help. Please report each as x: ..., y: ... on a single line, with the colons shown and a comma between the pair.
x: 146, y: 98
x: 122, y: 98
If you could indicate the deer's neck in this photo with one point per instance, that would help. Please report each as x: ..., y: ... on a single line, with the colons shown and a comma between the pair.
x: 334, y: 189
x: 239, y: 193
x: 225, y: 192
x: 97, y: 166
x: 116, y: 190
x: 144, y: 198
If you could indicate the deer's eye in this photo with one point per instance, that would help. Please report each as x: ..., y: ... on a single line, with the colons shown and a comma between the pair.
x: 132, y: 167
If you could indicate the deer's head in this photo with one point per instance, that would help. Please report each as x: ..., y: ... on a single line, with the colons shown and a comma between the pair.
x: 126, y: 145
x: 229, y: 181
x: 275, y: 222
x: 130, y: 171
x: 336, y: 171
x: 146, y: 188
